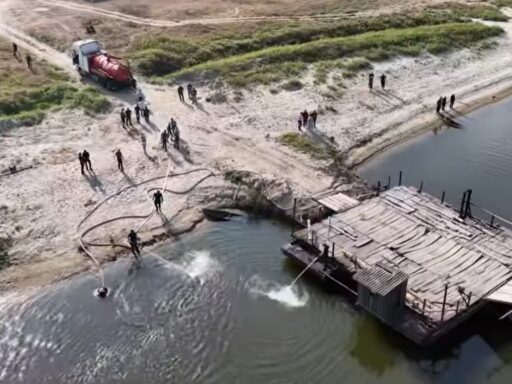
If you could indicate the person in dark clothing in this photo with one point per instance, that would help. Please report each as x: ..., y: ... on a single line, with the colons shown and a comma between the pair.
x: 164, y: 140
x: 87, y: 160
x: 314, y: 116
x: 158, y: 199
x: 189, y: 91
x: 370, y: 81
x: 383, y: 81
x: 452, y: 101
x: 180, y: 93
x: 177, y: 139
x: 133, y: 240
x: 194, y: 96
x: 443, y: 103
x: 120, y: 158
x: 134, y: 83
x: 305, y: 116
x: 145, y: 112
x: 15, y: 50
x: 137, y: 112
x: 299, y: 123
x: 28, y: 58
x: 123, y: 116
x: 129, y: 116
x: 439, y: 104
x: 82, y: 162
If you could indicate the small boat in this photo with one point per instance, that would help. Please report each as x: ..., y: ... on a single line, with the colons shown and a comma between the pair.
x: 220, y: 214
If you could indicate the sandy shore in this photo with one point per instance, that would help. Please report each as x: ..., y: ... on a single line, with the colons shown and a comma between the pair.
x: 42, y: 206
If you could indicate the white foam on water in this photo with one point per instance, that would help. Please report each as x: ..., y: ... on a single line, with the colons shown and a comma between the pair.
x: 199, y: 264
x: 288, y: 295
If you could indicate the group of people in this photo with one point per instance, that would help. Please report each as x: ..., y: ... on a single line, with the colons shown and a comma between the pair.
x: 307, y: 120
x: 442, y: 101
x: 371, y: 77
x: 191, y: 92
x: 141, y: 110
x: 85, y: 161
x: 16, y: 54
x: 171, y: 133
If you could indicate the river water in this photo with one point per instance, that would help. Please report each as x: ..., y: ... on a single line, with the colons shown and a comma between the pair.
x: 478, y: 156
x: 215, y: 307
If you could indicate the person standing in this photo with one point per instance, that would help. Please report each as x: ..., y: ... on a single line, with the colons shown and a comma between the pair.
x: 123, y: 116
x: 145, y: 112
x: 164, y: 140
x: 452, y: 101
x: 133, y: 240
x: 305, y: 117
x: 137, y: 112
x: 189, y: 90
x: 134, y: 83
x: 439, y: 104
x: 158, y: 199
x: 180, y: 93
x: 194, y: 96
x: 314, y: 116
x: 370, y: 80
x: 143, y: 141
x: 177, y: 138
x: 28, y: 58
x: 129, y: 117
x: 15, y: 50
x: 82, y: 163
x: 443, y: 103
x: 120, y: 158
x: 87, y: 160
x: 383, y: 81
x: 299, y: 123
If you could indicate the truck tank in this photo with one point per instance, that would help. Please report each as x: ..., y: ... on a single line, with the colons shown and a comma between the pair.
x: 110, y: 67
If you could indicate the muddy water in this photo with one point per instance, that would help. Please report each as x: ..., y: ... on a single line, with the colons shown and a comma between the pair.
x: 215, y: 307
x: 478, y: 156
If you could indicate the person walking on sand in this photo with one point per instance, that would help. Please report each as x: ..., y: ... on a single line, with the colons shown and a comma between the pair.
x: 383, y: 81
x: 443, y: 103
x: 15, y: 50
x: 120, y: 158
x: 28, y: 58
x: 194, y: 96
x: 87, y: 160
x: 133, y: 240
x: 370, y: 81
x: 299, y: 123
x: 189, y: 91
x: 439, y: 103
x: 452, y: 101
x: 180, y: 93
x: 313, y: 117
x: 158, y: 199
x: 137, y: 112
x: 123, y: 117
x: 82, y: 162
x: 305, y: 116
x: 164, y: 137
x: 129, y: 117
x: 143, y: 141
x: 145, y: 112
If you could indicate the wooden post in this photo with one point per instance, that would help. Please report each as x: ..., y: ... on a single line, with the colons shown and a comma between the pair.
x: 442, y: 197
x: 389, y: 182
x: 421, y: 187
x: 424, y: 304
x: 469, y: 299
x: 457, y: 309
x: 378, y: 188
x: 329, y: 229
x: 444, y: 301
x: 294, y: 213
x: 462, y: 204
x: 492, y: 220
x: 332, y: 251
x: 400, y: 178
x: 467, y: 209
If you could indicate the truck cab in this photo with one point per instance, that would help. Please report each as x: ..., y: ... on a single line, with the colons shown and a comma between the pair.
x: 82, y: 50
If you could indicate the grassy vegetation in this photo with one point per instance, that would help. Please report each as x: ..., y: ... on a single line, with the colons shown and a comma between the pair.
x: 26, y: 96
x: 502, y: 3
x: 268, y: 63
x: 304, y: 144
x: 5, y: 243
x: 474, y: 11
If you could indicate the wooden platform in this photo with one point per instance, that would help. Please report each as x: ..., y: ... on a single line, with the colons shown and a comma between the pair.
x: 424, y: 238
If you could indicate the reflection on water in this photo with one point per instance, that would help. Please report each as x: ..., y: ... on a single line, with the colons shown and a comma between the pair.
x: 477, y: 156
x: 216, y: 307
